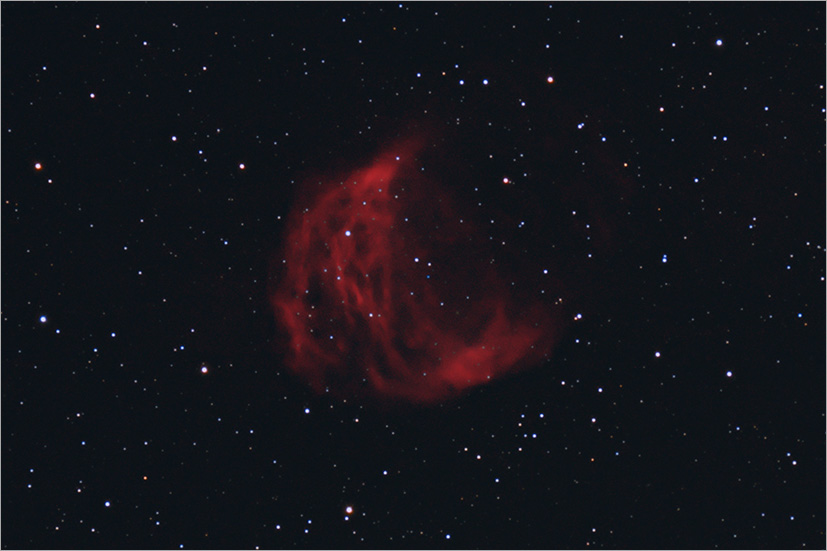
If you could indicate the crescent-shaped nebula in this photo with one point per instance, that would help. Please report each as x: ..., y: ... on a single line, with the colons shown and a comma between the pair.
x: 385, y: 291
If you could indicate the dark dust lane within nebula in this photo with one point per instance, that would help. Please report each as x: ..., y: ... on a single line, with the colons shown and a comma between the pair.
x: 385, y: 290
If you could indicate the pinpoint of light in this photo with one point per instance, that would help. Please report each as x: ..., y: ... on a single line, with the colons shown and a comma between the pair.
x: 38, y: 166
x: 657, y: 354
x: 347, y: 233
x: 663, y: 259
x: 42, y: 319
x: 729, y: 373
x: 242, y: 166
x: 107, y: 504
x: 204, y: 369
x: 349, y: 510
x: 550, y: 79
x: 92, y: 95
x: 306, y: 410
x: 506, y: 181
x: 175, y: 138
x: 719, y: 42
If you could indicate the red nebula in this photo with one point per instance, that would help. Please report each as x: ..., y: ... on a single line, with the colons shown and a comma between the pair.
x: 385, y: 291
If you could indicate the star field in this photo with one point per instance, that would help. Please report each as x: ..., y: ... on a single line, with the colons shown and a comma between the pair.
x: 614, y: 217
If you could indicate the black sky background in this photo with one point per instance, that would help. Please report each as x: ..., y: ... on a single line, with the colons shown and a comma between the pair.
x: 123, y: 230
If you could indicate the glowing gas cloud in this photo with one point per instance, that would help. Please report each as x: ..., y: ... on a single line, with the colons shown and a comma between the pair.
x: 385, y: 291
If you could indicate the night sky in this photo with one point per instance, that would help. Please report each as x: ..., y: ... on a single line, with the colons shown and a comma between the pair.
x: 422, y: 275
